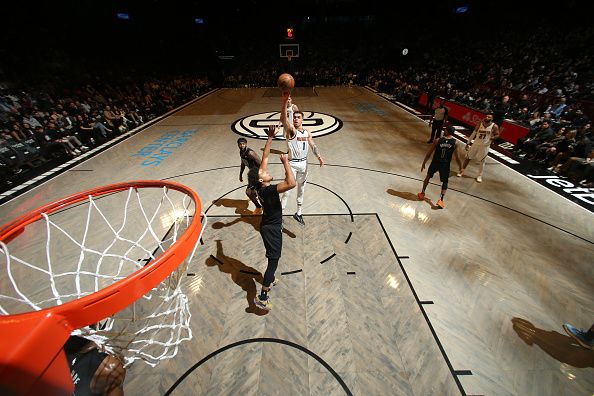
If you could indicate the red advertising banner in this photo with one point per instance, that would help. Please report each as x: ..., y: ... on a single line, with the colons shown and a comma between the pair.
x: 423, y: 99
x: 509, y: 131
x: 463, y: 114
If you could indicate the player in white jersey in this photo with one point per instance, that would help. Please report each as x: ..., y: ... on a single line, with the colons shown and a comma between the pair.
x: 298, y: 140
x: 477, y: 146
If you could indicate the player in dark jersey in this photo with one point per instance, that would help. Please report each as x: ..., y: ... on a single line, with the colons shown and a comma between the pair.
x: 93, y: 372
x: 443, y: 149
x: 271, y: 226
x: 249, y: 159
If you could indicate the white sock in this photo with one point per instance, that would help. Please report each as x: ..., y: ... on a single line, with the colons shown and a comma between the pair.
x: 299, y: 210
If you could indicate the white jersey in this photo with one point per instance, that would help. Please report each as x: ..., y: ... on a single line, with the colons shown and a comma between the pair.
x: 484, y: 134
x: 299, y: 146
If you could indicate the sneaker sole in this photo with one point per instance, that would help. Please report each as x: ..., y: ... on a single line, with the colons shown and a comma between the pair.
x: 569, y: 333
x: 260, y: 305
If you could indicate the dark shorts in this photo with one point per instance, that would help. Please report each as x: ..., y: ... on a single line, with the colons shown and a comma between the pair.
x: 252, y: 177
x: 272, y: 235
x: 443, y: 168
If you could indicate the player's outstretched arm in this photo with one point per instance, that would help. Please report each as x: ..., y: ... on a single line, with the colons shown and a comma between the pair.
x: 288, y: 128
x: 289, y: 181
x: 264, y: 163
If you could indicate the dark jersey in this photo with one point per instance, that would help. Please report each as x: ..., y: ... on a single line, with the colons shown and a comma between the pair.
x: 252, y: 165
x: 82, y: 369
x: 273, y: 211
x: 247, y: 159
x: 444, y: 150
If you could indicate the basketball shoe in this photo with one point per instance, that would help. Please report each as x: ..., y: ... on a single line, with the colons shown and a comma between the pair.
x: 264, y: 304
x: 299, y: 219
x: 579, y: 335
x: 441, y: 204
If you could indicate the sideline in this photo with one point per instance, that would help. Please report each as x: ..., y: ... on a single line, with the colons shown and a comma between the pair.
x: 582, y: 197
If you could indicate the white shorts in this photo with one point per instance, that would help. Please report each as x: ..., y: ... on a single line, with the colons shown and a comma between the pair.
x: 477, y: 152
x: 299, y: 167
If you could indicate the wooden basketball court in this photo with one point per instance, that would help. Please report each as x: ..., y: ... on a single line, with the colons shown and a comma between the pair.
x: 380, y: 293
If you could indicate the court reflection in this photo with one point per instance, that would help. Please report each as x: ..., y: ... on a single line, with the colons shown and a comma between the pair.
x: 409, y: 211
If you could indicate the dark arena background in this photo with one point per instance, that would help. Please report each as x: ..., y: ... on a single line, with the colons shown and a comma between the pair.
x: 486, y: 289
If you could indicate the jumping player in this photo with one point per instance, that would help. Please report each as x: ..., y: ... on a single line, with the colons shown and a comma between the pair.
x: 271, y: 226
x: 298, y: 140
x: 443, y: 149
x: 249, y: 159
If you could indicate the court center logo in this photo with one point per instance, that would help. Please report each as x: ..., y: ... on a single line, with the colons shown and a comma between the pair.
x: 255, y: 126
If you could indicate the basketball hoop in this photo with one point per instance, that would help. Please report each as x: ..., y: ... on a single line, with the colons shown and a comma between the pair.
x: 118, y: 284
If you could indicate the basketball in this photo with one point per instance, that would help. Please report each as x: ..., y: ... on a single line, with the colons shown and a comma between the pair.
x: 286, y: 82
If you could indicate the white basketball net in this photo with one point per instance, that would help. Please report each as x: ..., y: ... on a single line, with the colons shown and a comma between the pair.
x: 151, y: 328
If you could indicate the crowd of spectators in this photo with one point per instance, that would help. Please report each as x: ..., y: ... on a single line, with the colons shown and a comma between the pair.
x: 537, y: 77
x: 52, y: 124
x: 544, y: 83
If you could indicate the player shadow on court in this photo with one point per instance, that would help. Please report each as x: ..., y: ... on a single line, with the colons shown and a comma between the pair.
x: 559, y: 346
x: 411, y: 197
x: 403, y: 194
x: 246, y: 216
x: 240, y: 205
x: 242, y: 275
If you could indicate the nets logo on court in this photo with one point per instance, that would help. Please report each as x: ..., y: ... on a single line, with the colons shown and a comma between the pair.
x: 255, y: 126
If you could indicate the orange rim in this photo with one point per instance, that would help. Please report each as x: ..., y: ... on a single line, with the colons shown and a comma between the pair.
x: 20, y: 332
